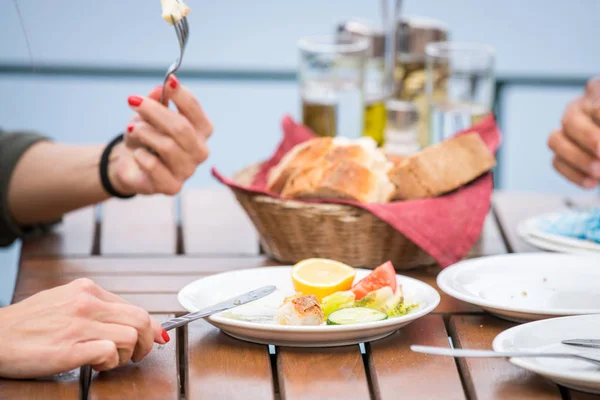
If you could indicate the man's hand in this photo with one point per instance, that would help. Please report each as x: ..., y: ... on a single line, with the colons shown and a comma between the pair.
x: 576, y: 145
x: 177, y: 140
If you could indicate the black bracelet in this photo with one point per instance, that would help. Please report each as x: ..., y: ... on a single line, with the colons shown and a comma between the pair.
x: 104, y: 170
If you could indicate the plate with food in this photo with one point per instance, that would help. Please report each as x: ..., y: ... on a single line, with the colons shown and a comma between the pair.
x: 526, y: 287
x: 547, y: 336
x: 318, y: 303
x: 576, y: 232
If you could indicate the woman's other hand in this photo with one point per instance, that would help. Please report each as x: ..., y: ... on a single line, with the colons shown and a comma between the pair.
x: 80, y: 323
x: 576, y: 145
x: 177, y: 140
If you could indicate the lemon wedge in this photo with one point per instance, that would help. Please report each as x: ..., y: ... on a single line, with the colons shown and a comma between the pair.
x: 322, y: 277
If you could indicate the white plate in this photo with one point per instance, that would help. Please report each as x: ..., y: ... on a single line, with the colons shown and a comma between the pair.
x: 207, y: 291
x: 528, y: 286
x: 528, y: 230
x: 546, y: 336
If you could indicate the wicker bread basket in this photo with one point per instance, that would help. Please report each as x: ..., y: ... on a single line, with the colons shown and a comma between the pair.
x: 291, y: 231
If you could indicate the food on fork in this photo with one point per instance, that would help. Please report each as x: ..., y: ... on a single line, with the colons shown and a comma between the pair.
x: 174, y: 10
x: 442, y: 168
x: 300, y: 310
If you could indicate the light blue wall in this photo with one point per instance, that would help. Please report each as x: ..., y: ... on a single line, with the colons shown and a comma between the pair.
x: 533, y: 37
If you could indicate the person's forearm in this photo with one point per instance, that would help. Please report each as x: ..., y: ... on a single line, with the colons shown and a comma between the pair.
x: 52, y: 179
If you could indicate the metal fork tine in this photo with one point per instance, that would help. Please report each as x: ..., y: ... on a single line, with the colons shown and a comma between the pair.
x: 186, y: 28
x: 179, y: 34
x: 184, y: 35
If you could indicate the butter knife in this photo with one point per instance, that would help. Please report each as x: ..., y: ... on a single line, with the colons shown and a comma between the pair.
x: 593, y: 343
x: 85, y: 373
x: 223, y: 306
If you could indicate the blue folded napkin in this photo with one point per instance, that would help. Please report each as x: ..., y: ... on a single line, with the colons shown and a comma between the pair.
x: 584, y: 225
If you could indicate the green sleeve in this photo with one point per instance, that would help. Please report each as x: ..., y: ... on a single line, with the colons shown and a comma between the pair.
x: 12, y: 146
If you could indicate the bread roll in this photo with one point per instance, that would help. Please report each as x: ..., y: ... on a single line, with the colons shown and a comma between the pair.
x: 300, y: 156
x: 441, y: 168
x: 343, y: 179
x: 350, y: 170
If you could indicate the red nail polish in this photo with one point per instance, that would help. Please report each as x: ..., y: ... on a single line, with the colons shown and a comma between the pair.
x: 165, y: 336
x: 173, y: 82
x: 129, y: 128
x: 134, y: 101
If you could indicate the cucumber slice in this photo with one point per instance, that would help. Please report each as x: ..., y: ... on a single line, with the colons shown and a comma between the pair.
x: 355, y: 315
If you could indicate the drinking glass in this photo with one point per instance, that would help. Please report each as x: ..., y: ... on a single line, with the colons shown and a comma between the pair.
x: 331, y: 74
x: 460, y: 86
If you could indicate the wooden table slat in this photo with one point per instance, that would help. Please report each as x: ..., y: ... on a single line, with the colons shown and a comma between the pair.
x: 322, y: 373
x: 220, y: 367
x: 155, y: 377
x: 494, y: 378
x: 74, y: 236
x: 153, y: 284
x: 150, y: 283
x: 151, y: 302
x: 52, y: 388
x: 214, y: 223
x: 144, y: 225
x: 396, y: 369
x: 512, y: 208
x: 135, y: 266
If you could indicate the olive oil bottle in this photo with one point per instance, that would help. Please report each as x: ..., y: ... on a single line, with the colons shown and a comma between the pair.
x: 374, y: 120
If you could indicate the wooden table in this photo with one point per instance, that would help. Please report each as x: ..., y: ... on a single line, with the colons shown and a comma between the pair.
x: 147, y: 249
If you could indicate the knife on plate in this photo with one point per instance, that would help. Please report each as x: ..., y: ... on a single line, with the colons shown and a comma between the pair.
x: 223, y: 306
x: 85, y: 373
x: 593, y: 343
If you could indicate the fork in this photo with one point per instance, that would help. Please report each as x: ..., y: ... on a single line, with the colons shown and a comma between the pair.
x: 444, y: 351
x: 182, y: 30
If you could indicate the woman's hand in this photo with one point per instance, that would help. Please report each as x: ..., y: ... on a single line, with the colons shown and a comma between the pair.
x: 72, y: 325
x: 177, y: 140
x: 576, y: 145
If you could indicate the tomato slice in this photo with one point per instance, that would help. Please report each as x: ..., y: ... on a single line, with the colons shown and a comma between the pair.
x: 382, y: 276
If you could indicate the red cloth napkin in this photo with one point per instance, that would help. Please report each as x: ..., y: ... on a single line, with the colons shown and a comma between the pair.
x: 446, y: 227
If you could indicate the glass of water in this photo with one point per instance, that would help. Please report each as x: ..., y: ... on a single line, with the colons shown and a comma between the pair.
x: 460, y: 86
x: 331, y: 74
